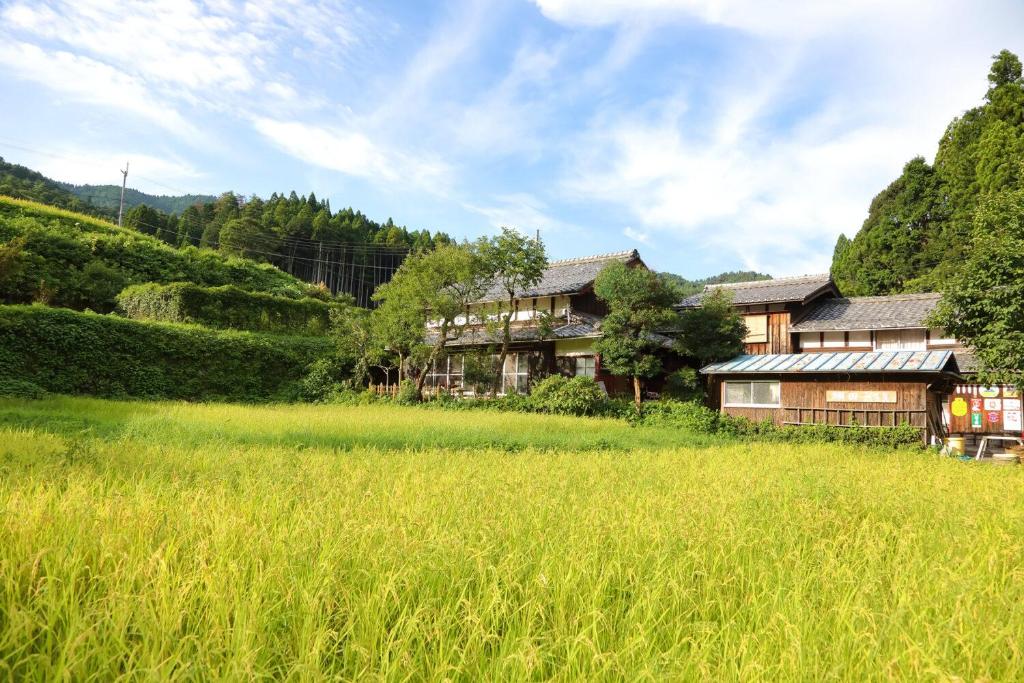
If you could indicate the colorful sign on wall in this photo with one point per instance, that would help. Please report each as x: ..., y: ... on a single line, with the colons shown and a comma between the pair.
x: 958, y: 407
x: 1011, y: 420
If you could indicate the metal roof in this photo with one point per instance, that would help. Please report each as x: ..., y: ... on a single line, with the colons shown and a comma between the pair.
x: 783, y: 289
x: 845, y: 362
x: 900, y: 311
x: 566, y: 277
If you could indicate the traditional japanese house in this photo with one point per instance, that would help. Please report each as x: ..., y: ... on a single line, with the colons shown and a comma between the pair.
x: 770, y: 306
x: 554, y: 327
x: 859, y: 360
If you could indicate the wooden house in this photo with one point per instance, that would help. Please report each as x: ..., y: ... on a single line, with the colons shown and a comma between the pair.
x: 554, y: 327
x: 851, y: 360
x: 770, y: 306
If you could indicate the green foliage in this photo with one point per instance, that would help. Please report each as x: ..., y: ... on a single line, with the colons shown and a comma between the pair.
x: 567, y: 395
x: 226, y: 307
x: 19, y: 388
x: 513, y: 263
x: 85, y: 261
x: 686, y: 287
x: 918, y: 233
x: 24, y: 183
x: 712, y: 332
x: 639, y: 308
x: 408, y: 393
x: 82, y: 353
x: 108, y: 198
x: 983, y: 303
x: 683, y: 385
x: 323, y: 382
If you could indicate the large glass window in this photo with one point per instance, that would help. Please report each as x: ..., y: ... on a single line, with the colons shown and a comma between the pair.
x: 586, y: 366
x: 753, y: 394
x: 516, y: 373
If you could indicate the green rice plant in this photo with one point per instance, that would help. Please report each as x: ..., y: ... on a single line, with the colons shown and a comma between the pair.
x: 172, y: 541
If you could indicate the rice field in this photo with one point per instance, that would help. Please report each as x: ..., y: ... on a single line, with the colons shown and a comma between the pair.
x: 196, y: 542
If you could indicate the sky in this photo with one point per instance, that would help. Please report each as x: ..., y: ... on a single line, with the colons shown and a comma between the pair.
x: 710, y: 135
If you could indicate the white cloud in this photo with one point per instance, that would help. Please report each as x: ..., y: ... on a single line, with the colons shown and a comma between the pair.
x: 352, y: 152
x: 87, y: 80
x: 637, y: 235
x: 526, y: 213
x: 146, y: 172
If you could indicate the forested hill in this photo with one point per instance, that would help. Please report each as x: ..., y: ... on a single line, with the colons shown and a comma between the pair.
x: 688, y: 287
x: 109, y: 197
x: 21, y: 182
x: 919, y: 229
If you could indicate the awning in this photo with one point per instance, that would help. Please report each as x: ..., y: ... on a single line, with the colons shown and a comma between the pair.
x: 839, y: 362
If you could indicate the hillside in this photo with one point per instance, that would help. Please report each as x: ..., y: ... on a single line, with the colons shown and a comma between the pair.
x: 22, y: 182
x: 919, y: 228
x: 109, y: 197
x: 687, y: 287
x: 73, y: 260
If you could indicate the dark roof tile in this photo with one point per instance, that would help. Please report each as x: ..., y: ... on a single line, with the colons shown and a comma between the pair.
x: 901, y: 311
x: 783, y: 289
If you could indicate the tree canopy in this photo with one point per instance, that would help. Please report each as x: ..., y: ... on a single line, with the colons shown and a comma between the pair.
x: 919, y: 230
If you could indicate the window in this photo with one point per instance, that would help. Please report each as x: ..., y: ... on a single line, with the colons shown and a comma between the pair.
x: 899, y: 340
x: 446, y: 372
x: 585, y: 366
x: 757, y: 328
x: 757, y: 394
x: 516, y: 375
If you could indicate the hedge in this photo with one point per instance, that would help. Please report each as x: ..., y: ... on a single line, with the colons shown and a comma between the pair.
x: 67, y: 352
x: 226, y: 307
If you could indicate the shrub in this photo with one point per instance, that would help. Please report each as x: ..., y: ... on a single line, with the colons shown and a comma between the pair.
x: 322, y: 381
x: 224, y: 307
x: 683, y: 385
x: 18, y: 388
x: 567, y: 396
x: 689, y: 415
x: 84, y: 353
x: 407, y: 394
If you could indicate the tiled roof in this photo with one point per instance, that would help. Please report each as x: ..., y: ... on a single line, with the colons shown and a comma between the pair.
x: 900, y: 311
x: 580, y: 326
x: 845, y: 362
x: 568, y: 276
x: 800, y: 288
x: 966, y: 361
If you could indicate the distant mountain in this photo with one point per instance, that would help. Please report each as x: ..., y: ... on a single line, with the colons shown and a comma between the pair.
x: 109, y: 197
x: 688, y: 287
x: 21, y: 182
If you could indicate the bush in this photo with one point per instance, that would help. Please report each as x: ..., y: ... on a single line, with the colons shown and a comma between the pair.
x: 567, y: 396
x: 17, y: 388
x: 225, y: 307
x: 84, y: 353
x: 683, y: 385
x: 407, y: 394
x: 323, y: 380
x: 689, y: 415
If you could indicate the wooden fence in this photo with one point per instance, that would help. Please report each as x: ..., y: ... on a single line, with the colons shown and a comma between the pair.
x: 849, y: 417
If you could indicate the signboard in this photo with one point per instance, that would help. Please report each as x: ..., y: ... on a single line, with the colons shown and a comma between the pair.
x: 989, y: 392
x: 976, y: 420
x: 1011, y: 392
x: 853, y: 396
x: 977, y: 405
x: 993, y: 417
x: 958, y: 407
x: 993, y: 404
x: 1011, y: 420
x: 1011, y: 404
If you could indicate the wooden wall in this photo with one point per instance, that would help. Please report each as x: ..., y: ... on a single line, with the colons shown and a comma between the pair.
x: 778, y: 335
x: 810, y: 393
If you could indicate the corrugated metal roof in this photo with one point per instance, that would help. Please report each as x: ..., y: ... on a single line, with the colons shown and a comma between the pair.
x: 779, y: 290
x: 900, y: 311
x: 568, y: 276
x: 845, y: 362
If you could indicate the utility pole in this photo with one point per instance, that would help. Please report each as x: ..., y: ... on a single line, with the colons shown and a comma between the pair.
x: 124, y: 181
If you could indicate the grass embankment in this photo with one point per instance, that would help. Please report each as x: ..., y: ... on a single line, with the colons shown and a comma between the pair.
x: 168, y: 540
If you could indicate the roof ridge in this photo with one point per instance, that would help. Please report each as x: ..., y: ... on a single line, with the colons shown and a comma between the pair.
x: 888, y: 297
x: 772, y: 281
x: 632, y: 253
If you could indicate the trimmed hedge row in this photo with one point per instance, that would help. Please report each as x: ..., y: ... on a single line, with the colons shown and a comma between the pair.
x: 85, y: 353
x: 226, y: 307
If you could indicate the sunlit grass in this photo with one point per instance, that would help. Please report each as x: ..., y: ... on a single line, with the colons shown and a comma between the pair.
x: 132, y: 547
x: 53, y: 211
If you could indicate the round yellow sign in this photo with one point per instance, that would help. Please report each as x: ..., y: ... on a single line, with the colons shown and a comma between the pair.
x: 958, y: 407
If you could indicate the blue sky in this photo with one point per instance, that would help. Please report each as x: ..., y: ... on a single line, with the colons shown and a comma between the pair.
x: 710, y: 134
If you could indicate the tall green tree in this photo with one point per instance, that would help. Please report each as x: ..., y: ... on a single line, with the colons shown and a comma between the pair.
x: 713, y: 332
x: 983, y: 303
x: 639, y: 308
x: 513, y: 263
x: 437, y: 288
x: 248, y: 238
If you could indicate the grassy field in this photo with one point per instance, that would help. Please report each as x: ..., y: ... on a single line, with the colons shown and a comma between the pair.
x: 166, y: 540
